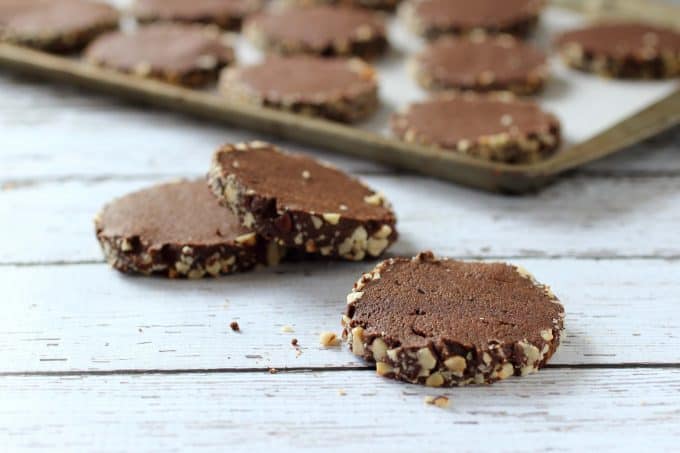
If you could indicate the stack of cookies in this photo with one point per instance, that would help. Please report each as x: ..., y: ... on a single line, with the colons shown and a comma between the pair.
x: 258, y: 205
x: 423, y: 320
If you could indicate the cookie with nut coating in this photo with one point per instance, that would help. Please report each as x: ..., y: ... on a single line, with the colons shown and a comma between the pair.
x: 496, y: 127
x: 623, y: 50
x: 226, y: 14
x: 325, y: 30
x: 178, y: 230
x: 302, y: 203
x: 442, y: 322
x: 59, y: 26
x: 481, y: 63
x: 188, y: 55
x: 434, y: 18
x: 335, y: 89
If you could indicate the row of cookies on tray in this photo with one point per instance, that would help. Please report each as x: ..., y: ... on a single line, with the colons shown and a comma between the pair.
x: 300, y: 79
x: 424, y: 320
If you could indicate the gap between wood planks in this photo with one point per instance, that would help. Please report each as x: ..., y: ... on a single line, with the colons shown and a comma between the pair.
x: 13, y: 184
x: 325, y: 369
x: 580, y: 257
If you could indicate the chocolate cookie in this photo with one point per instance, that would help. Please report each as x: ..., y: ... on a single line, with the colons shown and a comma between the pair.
x: 321, y: 30
x: 442, y: 322
x: 383, y: 5
x: 433, y: 18
x: 336, y: 89
x: 190, y: 55
x: 59, y: 26
x: 227, y: 14
x: 299, y: 202
x: 178, y: 230
x: 481, y: 63
x: 624, y: 50
x: 494, y: 127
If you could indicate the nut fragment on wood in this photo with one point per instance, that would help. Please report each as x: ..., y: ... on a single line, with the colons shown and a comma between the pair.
x: 329, y: 339
x: 439, y: 401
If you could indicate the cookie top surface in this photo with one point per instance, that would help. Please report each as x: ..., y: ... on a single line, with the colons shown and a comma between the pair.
x: 466, y: 61
x: 194, y: 10
x: 446, y: 120
x: 182, y: 213
x: 473, y: 14
x: 623, y: 39
x: 453, y: 302
x: 163, y: 47
x: 305, y: 77
x: 298, y: 183
x: 317, y: 27
x: 55, y: 17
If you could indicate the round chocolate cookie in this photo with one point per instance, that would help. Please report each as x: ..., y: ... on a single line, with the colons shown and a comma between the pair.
x: 320, y: 30
x: 433, y: 18
x: 59, y: 26
x: 335, y: 89
x: 624, y: 50
x: 383, y: 5
x: 190, y: 55
x: 178, y: 230
x: 302, y: 203
x: 481, y: 63
x: 442, y: 322
x: 494, y: 127
x: 227, y: 14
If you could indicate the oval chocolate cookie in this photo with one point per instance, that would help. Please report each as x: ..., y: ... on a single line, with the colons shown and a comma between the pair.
x: 178, y: 230
x: 299, y: 202
x: 624, y: 50
x: 335, y: 89
x: 493, y: 127
x: 55, y: 25
x: 442, y: 322
x: 481, y: 63
x: 319, y: 30
x: 190, y: 55
x: 227, y: 14
x: 433, y: 18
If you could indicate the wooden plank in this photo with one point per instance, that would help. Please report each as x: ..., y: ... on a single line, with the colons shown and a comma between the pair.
x: 577, y: 217
x: 91, y: 136
x: 87, y: 317
x: 556, y: 410
x: 95, y: 137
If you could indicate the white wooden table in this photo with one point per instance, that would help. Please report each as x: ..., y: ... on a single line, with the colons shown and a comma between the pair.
x: 94, y: 361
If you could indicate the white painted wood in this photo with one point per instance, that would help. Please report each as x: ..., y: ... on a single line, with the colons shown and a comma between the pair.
x: 83, y: 135
x: 577, y: 217
x: 558, y: 410
x: 88, y: 317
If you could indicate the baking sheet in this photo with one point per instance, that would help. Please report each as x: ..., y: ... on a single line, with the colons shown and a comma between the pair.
x: 586, y: 104
x: 590, y: 108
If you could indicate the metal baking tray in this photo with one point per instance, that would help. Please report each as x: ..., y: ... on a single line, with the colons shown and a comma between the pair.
x: 372, y: 142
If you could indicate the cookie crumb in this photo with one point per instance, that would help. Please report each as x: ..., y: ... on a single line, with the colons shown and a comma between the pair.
x: 287, y: 329
x: 342, y: 392
x: 294, y: 342
x: 439, y: 401
x: 235, y: 327
x: 329, y: 339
